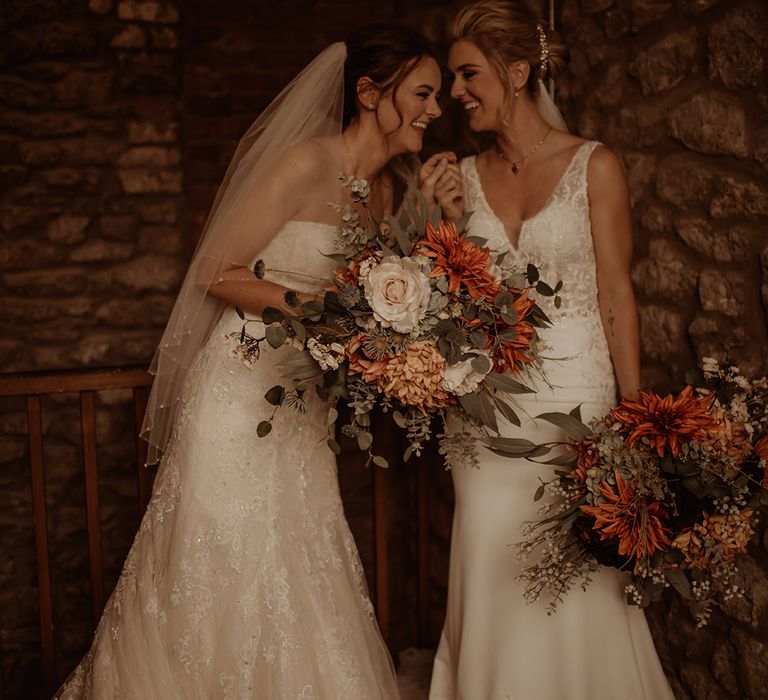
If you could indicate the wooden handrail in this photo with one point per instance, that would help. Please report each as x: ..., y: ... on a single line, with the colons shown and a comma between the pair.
x: 66, y: 381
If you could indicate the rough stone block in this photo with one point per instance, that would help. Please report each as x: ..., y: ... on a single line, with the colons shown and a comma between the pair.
x: 727, y: 245
x: 138, y: 181
x: 711, y: 123
x: 63, y: 281
x: 751, y: 654
x: 118, y: 228
x: 164, y: 38
x: 723, y: 292
x: 150, y: 157
x: 638, y: 126
x: 641, y: 172
x: 131, y: 37
x: 738, y: 196
x: 102, y: 251
x: 147, y: 273
x: 667, y: 62
x: 644, y: 12
x: 68, y: 229
x: 665, y: 274
x: 40, y: 152
x: 151, y: 132
x: 100, y: 7
x: 159, y: 212
x: 663, y: 332
x: 684, y: 182
x: 148, y: 72
x: 738, y: 46
x: 148, y: 11
x: 592, y: 7
x: 161, y: 239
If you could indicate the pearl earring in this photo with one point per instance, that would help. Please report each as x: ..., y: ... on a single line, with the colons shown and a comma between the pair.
x: 371, y: 105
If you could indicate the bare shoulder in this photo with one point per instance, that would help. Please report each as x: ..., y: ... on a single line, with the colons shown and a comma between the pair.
x: 604, y: 166
x: 304, y: 161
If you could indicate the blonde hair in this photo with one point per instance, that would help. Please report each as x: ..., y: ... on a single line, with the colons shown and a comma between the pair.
x: 507, y: 31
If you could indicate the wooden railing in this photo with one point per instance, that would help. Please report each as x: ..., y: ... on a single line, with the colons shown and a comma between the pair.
x: 34, y: 386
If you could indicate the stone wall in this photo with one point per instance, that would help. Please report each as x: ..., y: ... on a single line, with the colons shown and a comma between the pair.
x: 680, y: 90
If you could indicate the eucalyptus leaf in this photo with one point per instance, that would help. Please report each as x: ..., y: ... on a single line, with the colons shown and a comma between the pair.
x: 539, y: 492
x: 506, y: 384
x: 576, y: 412
x: 477, y: 240
x: 240, y: 313
x: 479, y: 339
x: 680, y: 582
x: 333, y: 446
x: 544, y: 289
x: 510, y: 447
x: 364, y: 440
x: 507, y: 411
x: 275, y: 395
x: 299, y: 330
x: 379, y: 461
x: 408, y: 453
x: 400, y: 419
x: 570, y: 425
x: 481, y: 364
x: 271, y: 315
x: 276, y: 335
x: 333, y: 414
x: 263, y: 428
x: 532, y: 273
x: 436, y: 217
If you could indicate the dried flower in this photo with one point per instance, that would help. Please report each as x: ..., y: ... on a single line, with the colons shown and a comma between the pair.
x: 629, y: 519
x: 463, y: 262
x: 717, y: 538
x: 666, y: 421
x: 415, y: 377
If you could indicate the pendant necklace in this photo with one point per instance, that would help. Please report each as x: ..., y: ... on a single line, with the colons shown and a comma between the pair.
x: 515, y: 164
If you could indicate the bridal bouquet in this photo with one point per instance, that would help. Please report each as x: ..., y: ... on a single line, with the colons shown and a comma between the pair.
x: 420, y: 317
x: 668, y: 489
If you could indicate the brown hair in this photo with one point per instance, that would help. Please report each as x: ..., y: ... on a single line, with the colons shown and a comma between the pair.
x: 385, y: 53
x: 507, y: 31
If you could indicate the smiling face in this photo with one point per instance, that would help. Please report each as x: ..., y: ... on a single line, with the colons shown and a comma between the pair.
x: 477, y: 86
x: 405, y: 113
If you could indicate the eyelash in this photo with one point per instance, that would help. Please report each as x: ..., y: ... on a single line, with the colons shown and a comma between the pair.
x: 468, y: 75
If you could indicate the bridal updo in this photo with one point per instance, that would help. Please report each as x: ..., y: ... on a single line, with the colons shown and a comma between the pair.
x: 385, y: 53
x: 507, y: 31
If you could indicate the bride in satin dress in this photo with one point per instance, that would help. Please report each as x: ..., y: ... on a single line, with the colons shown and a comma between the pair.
x: 244, y: 580
x: 562, y: 203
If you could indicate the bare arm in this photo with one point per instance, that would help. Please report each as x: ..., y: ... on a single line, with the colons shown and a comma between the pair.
x: 612, y: 236
x: 276, y: 199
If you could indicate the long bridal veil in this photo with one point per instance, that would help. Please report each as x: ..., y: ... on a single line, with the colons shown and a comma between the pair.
x: 310, y: 106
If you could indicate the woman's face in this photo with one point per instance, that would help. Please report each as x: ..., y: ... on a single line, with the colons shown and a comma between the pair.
x: 405, y: 114
x: 476, y: 85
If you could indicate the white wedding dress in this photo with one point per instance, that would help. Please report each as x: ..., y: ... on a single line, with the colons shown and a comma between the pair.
x: 243, y: 580
x: 495, y: 646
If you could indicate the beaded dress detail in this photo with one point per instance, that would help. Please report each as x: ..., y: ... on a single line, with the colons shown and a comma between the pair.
x: 494, y: 645
x: 243, y: 580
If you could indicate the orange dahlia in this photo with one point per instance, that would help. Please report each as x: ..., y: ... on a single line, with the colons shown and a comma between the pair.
x: 629, y: 519
x: 460, y: 260
x: 515, y: 350
x: 666, y: 421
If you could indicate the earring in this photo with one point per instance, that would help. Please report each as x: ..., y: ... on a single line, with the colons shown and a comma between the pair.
x: 371, y: 105
x: 517, y: 93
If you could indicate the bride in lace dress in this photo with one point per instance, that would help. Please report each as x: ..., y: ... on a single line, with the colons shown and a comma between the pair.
x: 244, y: 580
x: 562, y: 203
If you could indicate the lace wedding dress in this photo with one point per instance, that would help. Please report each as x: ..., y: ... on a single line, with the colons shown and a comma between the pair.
x: 243, y: 580
x: 495, y: 646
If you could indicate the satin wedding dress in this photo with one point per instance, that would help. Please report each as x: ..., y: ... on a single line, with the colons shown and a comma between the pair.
x: 243, y: 580
x: 495, y: 646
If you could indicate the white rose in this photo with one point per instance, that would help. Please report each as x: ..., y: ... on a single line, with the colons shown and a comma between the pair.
x: 461, y: 378
x: 398, y: 293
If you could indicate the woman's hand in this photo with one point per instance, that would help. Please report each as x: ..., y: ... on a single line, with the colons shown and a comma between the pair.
x: 440, y: 183
x: 449, y: 193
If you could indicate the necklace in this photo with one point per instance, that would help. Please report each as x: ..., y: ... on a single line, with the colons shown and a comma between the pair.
x: 515, y: 164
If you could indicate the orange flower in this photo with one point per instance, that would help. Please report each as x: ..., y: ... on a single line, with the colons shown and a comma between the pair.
x: 515, y: 351
x: 370, y: 370
x: 415, y: 377
x: 761, y: 450
x: 588, y: 458
x: 668, y: 421
x: 460, y: 260
x: 630, y: 519
x: 716, y: 538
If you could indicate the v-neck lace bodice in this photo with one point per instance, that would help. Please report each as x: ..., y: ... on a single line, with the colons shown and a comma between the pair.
x: 557, y: 238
